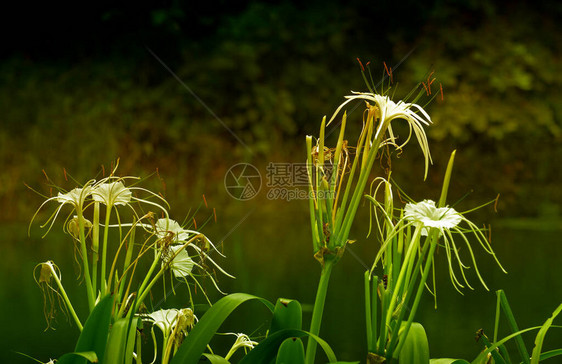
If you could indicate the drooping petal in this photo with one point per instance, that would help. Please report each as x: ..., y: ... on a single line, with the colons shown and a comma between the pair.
x: 112, y: 193
x: 182, y: 264
x: 74, y: 197
x: 164, y: 319
x: 163, y: 226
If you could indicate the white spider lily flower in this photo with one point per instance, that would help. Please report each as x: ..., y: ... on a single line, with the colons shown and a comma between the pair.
x: 182, y: 264
x: 242, y: 341
x: 389, y: 110
x: 164, y: 226
x: 165, y: 319
x: 112, y: 193
x: 429, y: 215
x: 447, y: 220
x: 75, y: 197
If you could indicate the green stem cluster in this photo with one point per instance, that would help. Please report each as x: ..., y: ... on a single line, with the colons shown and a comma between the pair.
x: 402, y: 279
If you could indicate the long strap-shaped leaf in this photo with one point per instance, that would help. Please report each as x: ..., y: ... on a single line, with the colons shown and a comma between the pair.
x: 93, y: 338
x: 541, y: 334
x: 121, y: 341
x: 195, y: 343
x: 504, y: 304
x: 483, y: 356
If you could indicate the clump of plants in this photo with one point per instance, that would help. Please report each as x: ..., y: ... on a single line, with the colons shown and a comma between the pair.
x: 125, y: 243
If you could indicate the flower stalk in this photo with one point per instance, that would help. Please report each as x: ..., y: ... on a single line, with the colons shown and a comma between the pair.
x: 318, y: 309
x: 331, y: 218
x: 84, y: 252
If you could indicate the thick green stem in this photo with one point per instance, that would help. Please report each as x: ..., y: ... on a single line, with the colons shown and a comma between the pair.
x: 95, y: 245
x: 128, y: 257
x: 84, y: 251
x: 416, y: 303
x: 381, y: 341
x: 318, y: 309
x: 401, y: 277
x: 368, y: 313
x: 395, y: 334
x: 103, y: 281
x: 373, y: 323
x: 145, y: 286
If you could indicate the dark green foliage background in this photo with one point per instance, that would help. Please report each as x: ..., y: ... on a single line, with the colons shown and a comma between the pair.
x: 82, y: 90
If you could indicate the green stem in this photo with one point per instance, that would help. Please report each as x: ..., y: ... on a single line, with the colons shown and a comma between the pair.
x: 373, y: 323
x: 409, y: 292
x: 84, y: 251
x: 416, y: 303
x: 65, y: 297
x: 312, y: 199
x: 383, y: 329
x: 128, y: 257
x: 95, y: 245
x: 104, y: 251
x: 145, y: 286
x: 368, y: 313
x: 398, y: 287
x: 358, y: 192
x: 513, y: 326
x: 318, y: 309
x: 166, y: 348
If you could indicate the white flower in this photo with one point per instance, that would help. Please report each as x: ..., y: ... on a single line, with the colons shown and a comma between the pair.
x: 163, y: 226
x: 165, y: 320
x: 429, y: 215
x: 182, y: 264
x: 389, y: 110
x: 242, y: 341
x: 446, y: 220
x: 75, y: 197
x: 112, y: 193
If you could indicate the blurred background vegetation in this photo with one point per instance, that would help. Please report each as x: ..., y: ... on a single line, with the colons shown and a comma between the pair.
x: 82, y: 90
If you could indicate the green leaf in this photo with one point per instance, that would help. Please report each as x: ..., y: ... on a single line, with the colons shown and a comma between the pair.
x: 93, y: 338
x: 71, y: 358
x: 196, y: 342
x: 512, y: 325
x: 448, y: 361
x: 268, y: 348
x: 498, y: 359
x: 291, y: 351
x: 443, y: 198
x: 482, y: 357
x: 539, y: 339
x: 286, y: 315
x: 550, y: 354
x: 121, y: 341
x: 215, y: 359
x: 416, y: 348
